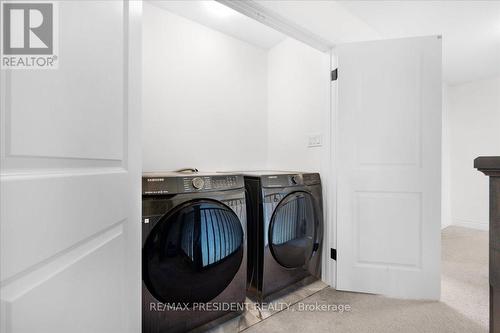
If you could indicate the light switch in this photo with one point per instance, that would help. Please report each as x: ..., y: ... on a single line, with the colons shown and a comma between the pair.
x: 315, y: 140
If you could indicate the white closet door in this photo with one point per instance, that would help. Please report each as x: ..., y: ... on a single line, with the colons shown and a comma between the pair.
x: 70, y: 179
x: 389, y: 161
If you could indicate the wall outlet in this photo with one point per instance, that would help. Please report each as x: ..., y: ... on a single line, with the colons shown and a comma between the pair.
x: 315, y: 140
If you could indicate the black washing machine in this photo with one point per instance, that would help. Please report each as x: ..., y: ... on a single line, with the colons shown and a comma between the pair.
x: 285, y: 231
x: 193, y: 250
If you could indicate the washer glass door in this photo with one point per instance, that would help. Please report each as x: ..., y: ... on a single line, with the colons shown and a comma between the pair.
x: 193, y: 253
x: 292, y: 230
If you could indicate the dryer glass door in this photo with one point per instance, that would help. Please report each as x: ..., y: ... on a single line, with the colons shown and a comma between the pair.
x: 193, y: 253
x: 292, y: 230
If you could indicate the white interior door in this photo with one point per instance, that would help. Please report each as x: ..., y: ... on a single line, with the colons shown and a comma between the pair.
x: 389, y: 167
x: 70, y: 178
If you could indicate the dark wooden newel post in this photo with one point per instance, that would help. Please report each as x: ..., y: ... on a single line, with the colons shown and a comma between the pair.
x: 490, y: 166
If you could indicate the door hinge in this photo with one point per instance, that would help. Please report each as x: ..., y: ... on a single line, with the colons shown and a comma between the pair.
x: 334, y: 74
x: 333, y: 254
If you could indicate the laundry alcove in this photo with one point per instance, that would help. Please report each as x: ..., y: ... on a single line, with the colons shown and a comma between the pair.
x: 224, y: 92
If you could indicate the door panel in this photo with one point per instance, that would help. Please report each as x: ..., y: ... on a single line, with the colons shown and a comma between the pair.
x: 70, y: 178
x: 56, y: 296
x: 70, y: 116
x: 55, y: 212
x: 389, y: 160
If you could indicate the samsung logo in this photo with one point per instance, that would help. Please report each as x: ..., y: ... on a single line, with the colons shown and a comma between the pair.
x: 156, y: 179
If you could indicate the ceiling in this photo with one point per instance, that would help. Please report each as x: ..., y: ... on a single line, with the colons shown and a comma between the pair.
x: 224, y: 19
x: 327, y: 19
x: 470, y: 30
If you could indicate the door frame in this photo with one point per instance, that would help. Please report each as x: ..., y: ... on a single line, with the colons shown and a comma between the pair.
x: 330, y: 168
x: 134, y: 72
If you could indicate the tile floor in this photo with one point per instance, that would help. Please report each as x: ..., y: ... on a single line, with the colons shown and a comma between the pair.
x: 255, y: 314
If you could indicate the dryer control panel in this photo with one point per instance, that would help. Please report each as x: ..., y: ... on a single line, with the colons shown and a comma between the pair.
x: 155, y: 184
x: 287, y: 180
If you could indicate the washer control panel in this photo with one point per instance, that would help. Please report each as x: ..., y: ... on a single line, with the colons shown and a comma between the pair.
x: 211, y: 183
x: 158, y: 185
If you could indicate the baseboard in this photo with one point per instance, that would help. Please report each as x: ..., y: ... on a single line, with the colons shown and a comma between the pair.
x: 471, y: 224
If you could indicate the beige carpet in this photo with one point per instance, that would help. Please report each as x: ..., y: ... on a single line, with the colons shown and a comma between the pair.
x: 464, y: 305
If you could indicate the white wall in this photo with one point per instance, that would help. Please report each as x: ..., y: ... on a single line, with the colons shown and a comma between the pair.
x: 474, y: 114
x: 205, y: 97
x: 298, y: 105
x: 237, y: 107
